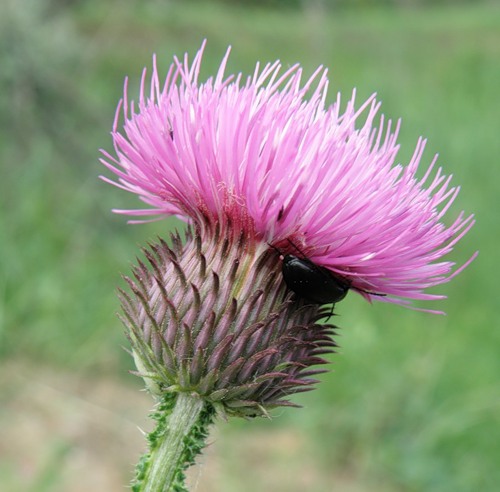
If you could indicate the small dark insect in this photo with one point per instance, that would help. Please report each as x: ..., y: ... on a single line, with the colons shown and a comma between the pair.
x: 312, y: 282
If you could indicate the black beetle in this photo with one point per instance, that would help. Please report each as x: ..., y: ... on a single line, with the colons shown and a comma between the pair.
x: 312, y: 282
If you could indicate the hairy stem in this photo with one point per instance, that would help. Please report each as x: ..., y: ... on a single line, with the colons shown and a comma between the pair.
x: 182, y: 426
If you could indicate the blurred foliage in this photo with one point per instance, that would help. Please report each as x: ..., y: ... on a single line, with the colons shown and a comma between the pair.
x: 41, y: 63
x: 349, y: 4
x: 52, y: 126
x: 414, y: 402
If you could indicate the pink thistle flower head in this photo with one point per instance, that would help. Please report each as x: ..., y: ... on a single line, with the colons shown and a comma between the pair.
x: 266, y: 156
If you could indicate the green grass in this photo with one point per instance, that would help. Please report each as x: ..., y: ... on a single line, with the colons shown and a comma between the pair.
x: 413, y: 403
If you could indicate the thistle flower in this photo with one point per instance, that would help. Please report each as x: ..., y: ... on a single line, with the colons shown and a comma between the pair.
x: 258, y: 155
x: 261, y: 168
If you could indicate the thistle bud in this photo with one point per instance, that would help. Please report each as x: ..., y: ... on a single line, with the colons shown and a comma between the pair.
x: 211, y: 315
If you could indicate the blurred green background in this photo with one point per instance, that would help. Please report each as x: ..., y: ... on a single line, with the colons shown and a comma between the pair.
x: 414, y: 400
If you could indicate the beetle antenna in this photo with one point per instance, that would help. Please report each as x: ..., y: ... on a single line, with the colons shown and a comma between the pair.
x: 369, y: 292
x: 297, y: 248
x: 275, y: 248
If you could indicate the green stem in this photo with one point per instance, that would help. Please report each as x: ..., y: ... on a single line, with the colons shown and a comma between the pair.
x: 180, y: 434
